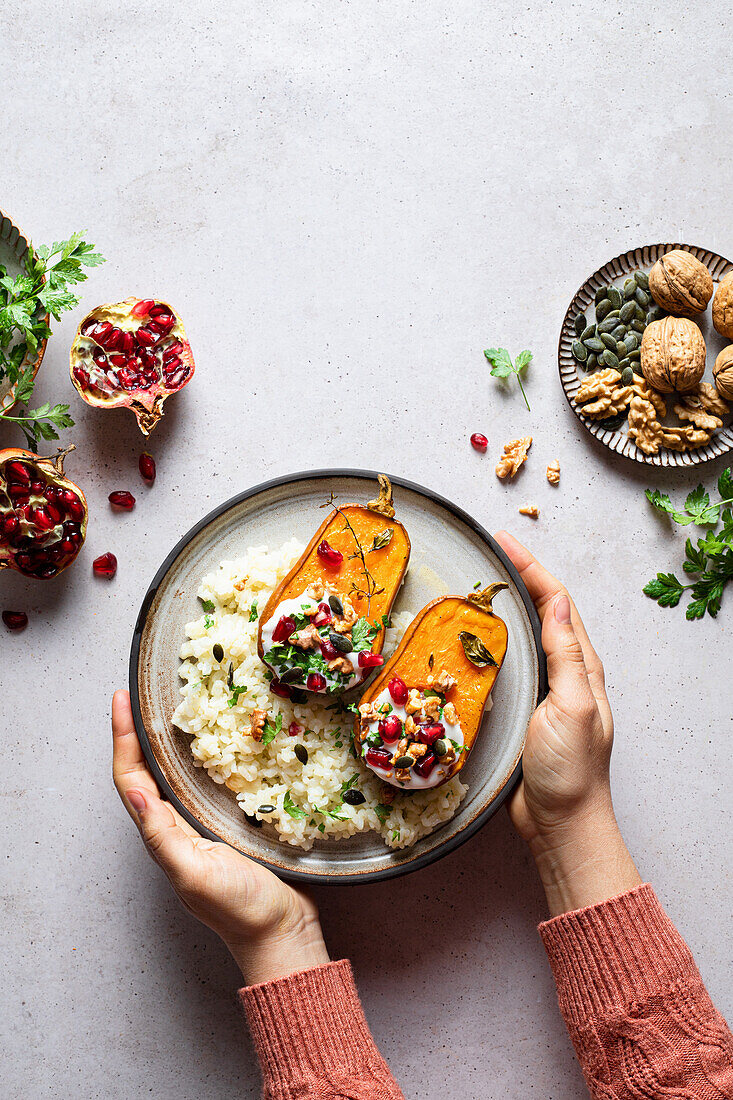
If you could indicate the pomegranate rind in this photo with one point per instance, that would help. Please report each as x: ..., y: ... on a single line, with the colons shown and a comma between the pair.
x: 52, y: 468
x: 147, y: 405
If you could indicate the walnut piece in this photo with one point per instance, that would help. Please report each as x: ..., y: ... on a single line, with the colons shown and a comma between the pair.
x: 307, y: 638
x: 673, y: 355
x: 515, y: 454
x: 368, y: 712
x: 443, y: 682
x: 649, y: 435
x: 341, y: 664
x: 530, y: 510
x: 342, y: 624
x: 690, y: 408
x: 387, y: 794
x: 414, y: 701
x: 681, y: 284
x: 315, y: 590
x: 416, y: 749
x: 723, y: 372
x: 723, y: 306
x: 450, y: 714
x: 257, y: 728
x: 602, y: 394
x: 711, y: 400
x: 553, y: 472
x: 431, y: 706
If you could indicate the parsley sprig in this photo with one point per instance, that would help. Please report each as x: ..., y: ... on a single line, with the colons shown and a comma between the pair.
x: 503, y: 367
x: 24, y: 302
x: 709, y: 560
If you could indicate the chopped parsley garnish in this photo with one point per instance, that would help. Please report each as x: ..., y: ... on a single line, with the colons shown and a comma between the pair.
x: 363, y: 634
x: 386, y: 622
x: 395, y: 834
x: 382, y: 811
x: 236, y: 692
x: 269, y: 734
x: 290, y: 807
x: 349, y: 783
x: 208, y: 605
x: 373, y: 738
x: 477, y: 585
x: 208, y: 622
x: 253, y: 612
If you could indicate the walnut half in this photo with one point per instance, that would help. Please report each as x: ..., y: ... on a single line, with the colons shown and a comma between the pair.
x: 530, y: 510
x: 553, y: 473
x: 515, y: 455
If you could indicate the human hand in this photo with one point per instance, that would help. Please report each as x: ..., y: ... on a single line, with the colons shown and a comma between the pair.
x: 271, y: 929
x: 563, y: 806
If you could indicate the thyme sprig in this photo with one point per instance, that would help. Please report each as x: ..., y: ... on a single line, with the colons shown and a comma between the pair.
x: 372, y: 587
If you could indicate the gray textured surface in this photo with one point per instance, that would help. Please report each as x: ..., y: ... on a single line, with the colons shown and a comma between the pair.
x: 348, y: 202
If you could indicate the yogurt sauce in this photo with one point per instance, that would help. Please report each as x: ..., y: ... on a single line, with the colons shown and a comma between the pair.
x: 416, y: 782
x: 295, y: 607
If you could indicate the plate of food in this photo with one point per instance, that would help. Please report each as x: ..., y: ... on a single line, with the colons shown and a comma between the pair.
x: 645, y: 355
x: 334, y: 672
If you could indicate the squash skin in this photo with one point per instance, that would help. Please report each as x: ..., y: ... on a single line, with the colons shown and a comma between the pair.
x: 435, y: 631
x: 388, y: 566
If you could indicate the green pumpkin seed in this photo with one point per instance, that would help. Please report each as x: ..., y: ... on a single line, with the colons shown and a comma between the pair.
x: 640, y: 313
x: 620, y: 349
x: 353, y: 797
x: 218, y: 652
x: 635, y: 355
x: 638, y: 326
x: 602, y: 309
x: 612, y: 423
x: 588, y: 332
x: 400, y: 762
x: 608, y: 325
x: 609, y: 359
x: 601, y: 294
x: 613, y: 313
x: 440, y: 748
x: 631, y: 340
x: 627, y: 312
x: 608, y: 340
x: 335, y: 604
x: 627, y: 376
x: 302, y: 753
x: 580, y: 351
x: 579, y: 324
x: 614, y: 297
x: 642, y: 280
x: 595, y: 344
x: 339, y: 642
x: 655, y: 314
x: 292, y: 675
x: 642, y: 297
x: 266, y: 809
x: 637, y: 370
x: 619, y: 332
x: 591, y: 362
x: 630, y: 288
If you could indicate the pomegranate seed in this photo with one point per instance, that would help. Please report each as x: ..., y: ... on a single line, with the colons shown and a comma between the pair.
x: 19, y: 494
x: 430, y: 734
x: 390, y: 729
x: 122, y: 499
x: 118, y: 360
x: 332, y: 558
x: 426, y: 764
x: 378, y: 758
x: 142, y: 308
x: 146, y: 465
x: 175, y: 348
x: 328, y: 649
x: 398, y: 691
x: 128, y: 342
x: 173, y: 381
x: 105, y: 566
x: 294, y: 730
x: 279, y: 689
x: 162, y: 321
x: 172, y: 365
x: 11, y: 525
x: 479, y: 442
x: 113, y: 341
x: 101, y: 331
x: 127, y: 378
x: 15, y: 620
x: 55, y: 513
x: 146, y: 337
x: 157, y: 308
x: 284, y: 629
x: 315, y: 682
x: 370, y: 660
x: 66, y: 546
x: 81, y: 376
x: 23, y: 562
x: 323, y: 616
x: 42, y: 519
x: 18, y: 471
x: 74, y: 508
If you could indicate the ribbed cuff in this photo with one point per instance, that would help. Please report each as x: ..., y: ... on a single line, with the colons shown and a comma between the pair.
x: 310, y: 1028
x: 610, y: 955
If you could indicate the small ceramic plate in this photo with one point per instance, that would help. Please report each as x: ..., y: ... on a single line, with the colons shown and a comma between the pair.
x: 450, y: 552
x: 13, y: 247
x: 616, y: 271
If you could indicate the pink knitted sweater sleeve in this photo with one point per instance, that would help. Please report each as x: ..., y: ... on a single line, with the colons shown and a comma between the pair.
x: 312, y: 1039
x: 639, y: 1016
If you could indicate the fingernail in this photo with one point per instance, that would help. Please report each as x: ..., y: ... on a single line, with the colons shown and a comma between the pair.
x: 136, y: 800
x: 562, y: 610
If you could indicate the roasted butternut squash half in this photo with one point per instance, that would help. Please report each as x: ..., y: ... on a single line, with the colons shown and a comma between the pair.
x: 322, y: 629
x: 418, y: 720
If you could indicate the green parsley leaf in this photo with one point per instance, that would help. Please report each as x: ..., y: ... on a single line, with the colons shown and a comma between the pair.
x: 502, y: 366
x: 271, y: 731
x: 290, y: 807
x: 208, y: 605
x: 665, y: 589
x: 363, y: 634
x: 208, y: 622
x: 253, y: 612
x: 349, y: 783
x: 382, y: 811
x: 236, y: 692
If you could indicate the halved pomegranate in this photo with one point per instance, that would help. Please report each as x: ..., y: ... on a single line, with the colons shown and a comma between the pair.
x: 43, y: 515
x: 131, y: 354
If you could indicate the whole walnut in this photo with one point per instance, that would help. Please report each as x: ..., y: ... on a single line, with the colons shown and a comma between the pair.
x: 681, y: 284
x: 723, y: 373
x: 672, y: 354
x: 723, y: 306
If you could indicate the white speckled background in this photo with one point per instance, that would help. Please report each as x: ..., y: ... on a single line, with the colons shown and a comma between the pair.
x: 347, y: 202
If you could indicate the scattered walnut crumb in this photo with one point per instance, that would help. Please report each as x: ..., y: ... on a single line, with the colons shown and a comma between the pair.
x: 315, y: 590
x: 443, y: 682
x: 530, y: 510
x: 368, y: 712
x: 449, y: 714
x: 515, y: 454
x: 416, y: 749
x: 259, y: 717
x: 553, y: 472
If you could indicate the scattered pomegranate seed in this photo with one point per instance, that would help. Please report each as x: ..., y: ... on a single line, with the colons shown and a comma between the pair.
x: 15, y: 620
x: 398, y: 691
x: 430, y: 734
x: 294, y: 730
x: 283, y: 630
x: 426, y: 764
x: 323, y: 616
x: 370, y: 660
x: 332, y: 558
x: 279, y: 689
x: 390, y: 729
x: 378, y: 758
x: 328, y: 649
x: 479, y: 442
x: 105, y: 566
x: 315, y: 682
x: 122, y: 499
x: 146, y: 465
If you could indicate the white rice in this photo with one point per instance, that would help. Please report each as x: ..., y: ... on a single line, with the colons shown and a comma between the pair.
x: 265, y: 774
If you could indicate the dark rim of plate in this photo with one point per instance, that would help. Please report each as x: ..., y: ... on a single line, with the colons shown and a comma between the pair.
x: 453, y: 842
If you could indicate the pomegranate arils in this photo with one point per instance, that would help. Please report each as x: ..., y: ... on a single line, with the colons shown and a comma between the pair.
x: 142, y: 309
x: 146, y: 337
x: 390, y: 729
x: 328, y: 649
x: 330, y: 557
x: 398, y: 690
x: 18, y: 471
x: 283, y: 630
x: 479, y: 442
x: 157, y: 309
x: 280, y: 689
x: 430, y: 734
x: 294, y: 730
x: 323, y: 616
x: 15, y: 620
x: 426, y: 764
x: 370, y: 660
x: 105, y: 566
x: 315, y: 681
x: 122, y: 499
x: 146, y: 465
x: 378, y: 758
